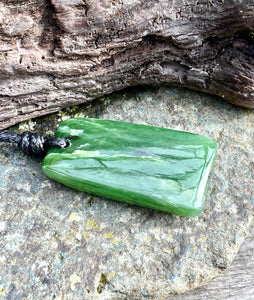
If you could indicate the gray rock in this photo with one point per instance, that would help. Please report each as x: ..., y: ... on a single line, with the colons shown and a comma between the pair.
x: 59, y: 243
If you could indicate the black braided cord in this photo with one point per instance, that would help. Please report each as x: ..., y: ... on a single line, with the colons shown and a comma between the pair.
x: 33, y: 143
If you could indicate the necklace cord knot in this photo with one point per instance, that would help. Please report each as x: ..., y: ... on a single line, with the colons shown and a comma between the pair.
x: 33, y: 143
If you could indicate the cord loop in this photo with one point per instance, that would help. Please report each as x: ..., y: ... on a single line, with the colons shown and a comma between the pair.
x: 33, y: 143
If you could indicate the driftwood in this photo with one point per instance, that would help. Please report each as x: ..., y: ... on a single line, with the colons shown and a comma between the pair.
x: 60, y: 53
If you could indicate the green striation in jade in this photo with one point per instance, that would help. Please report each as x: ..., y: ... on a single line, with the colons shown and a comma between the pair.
x: 158, y: 168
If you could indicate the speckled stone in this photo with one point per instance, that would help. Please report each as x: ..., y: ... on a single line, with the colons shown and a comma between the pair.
x: 59, y: 243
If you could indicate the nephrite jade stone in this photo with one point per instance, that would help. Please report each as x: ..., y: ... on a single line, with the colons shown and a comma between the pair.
x: 158, y: 168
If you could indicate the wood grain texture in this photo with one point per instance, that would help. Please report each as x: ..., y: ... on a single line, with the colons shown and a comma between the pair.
x: 59, y: 53
x: 237, y: 282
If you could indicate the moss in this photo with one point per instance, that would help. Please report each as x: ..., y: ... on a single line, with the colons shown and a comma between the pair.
x: 92, y: 224
x: 102, y: 283
x: 109, y: 235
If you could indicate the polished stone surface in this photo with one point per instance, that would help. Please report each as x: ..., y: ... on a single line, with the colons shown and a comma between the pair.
x: 158, y: 168
x: 59, y: 243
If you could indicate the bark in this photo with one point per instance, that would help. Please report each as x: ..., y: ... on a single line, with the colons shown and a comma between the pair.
x: 60, y: 53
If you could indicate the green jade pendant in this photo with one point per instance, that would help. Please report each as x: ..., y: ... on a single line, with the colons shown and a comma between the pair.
x: 158, y: 168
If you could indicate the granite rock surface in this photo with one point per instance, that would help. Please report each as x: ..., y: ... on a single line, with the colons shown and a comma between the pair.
x: 59, y: 243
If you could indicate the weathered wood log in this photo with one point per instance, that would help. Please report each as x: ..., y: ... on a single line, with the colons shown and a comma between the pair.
x: 60, y: 53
